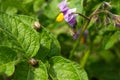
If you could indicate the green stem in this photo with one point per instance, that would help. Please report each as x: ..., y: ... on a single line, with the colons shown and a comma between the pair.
x: 85, y: 57
x: 78, y: 40
x: 86, y: 54
x: 83, y: 29
x: 82, y: 15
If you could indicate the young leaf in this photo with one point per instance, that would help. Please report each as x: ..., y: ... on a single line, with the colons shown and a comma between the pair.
x: 21, y: 35
x: 63, y: 69
x: 25, y: 71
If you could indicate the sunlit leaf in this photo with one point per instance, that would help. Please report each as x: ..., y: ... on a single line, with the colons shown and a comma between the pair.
x: 49, y: 45
x: 63, y: 69
x: 20, y: 34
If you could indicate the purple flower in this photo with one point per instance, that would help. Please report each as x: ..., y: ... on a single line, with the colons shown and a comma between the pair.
x: 63, y: 6
x: 70, y: 17
x: 77, y: 34
x: 68, y: 14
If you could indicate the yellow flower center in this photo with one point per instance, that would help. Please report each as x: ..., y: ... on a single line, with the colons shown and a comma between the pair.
x: 60, y: 17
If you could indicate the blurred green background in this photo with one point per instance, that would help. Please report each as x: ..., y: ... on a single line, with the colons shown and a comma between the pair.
x: 103, y: 62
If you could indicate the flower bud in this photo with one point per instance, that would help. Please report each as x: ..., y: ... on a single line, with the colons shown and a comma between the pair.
x: 33, y: 62
x: 37, y: 25
x: 107, y: 5
x: 72, y: 32
x: 116, y: 20
x: 107, y: 21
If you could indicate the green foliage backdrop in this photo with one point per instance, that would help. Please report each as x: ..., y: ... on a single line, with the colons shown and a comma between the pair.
x: 45, y: 53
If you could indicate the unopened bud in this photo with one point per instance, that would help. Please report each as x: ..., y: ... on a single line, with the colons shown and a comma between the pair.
x: 37, y: 25
x: 116, y: 20
x: 107, y: 5
x: 33, y: 62
x: 72, y: 32
x: 107, y: 21
x: 117, y: 25
x: 76, y: 35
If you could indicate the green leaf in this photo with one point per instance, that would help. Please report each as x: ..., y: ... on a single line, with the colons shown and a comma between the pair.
x: 28, y: 72
x: 49, y: 45
x: 8, y: 59
x: 37, y: 4
x: 52, y: 9
x: 20, y: 35
x: 27, y: 1
x: 107, y: 55
x: 7, y: 68
x: 76, y: 4
x: 11, y: 10
x: 112, y: 40
x: 116, y: 6
x: 6, y: 5
x: 63, y: 69
x: 7, y: 55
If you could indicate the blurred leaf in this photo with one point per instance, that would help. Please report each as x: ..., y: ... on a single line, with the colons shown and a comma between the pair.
x: 112, y: 40
x: 77, y: 4
x: 6, y: 5
x: 104, y: 71
x: 23, y: 37
x: 27, y: 72
x: 116, y: 6
x: 8, y: 58
x: 11, y: 10
x: 27, y: 1
x: 63, y: 69
x: 107, y: 55
x: 37, y: 4
x: 97, y: 39
x: 51, y: 10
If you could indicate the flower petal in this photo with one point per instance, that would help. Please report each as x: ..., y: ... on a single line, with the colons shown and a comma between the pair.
x: 63, y: 6
x: 70, y: 17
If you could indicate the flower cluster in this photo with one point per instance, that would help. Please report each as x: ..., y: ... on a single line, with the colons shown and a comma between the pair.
x: 116, y: 20
x: 67, y: 14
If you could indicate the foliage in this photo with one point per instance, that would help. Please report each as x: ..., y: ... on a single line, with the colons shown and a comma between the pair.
x: 25, y: 51
x: 47, y: 51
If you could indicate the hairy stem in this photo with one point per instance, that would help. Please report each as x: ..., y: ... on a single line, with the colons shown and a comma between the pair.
x: 82, y: 15
x: 78, y: 40
x: 83, y: 29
